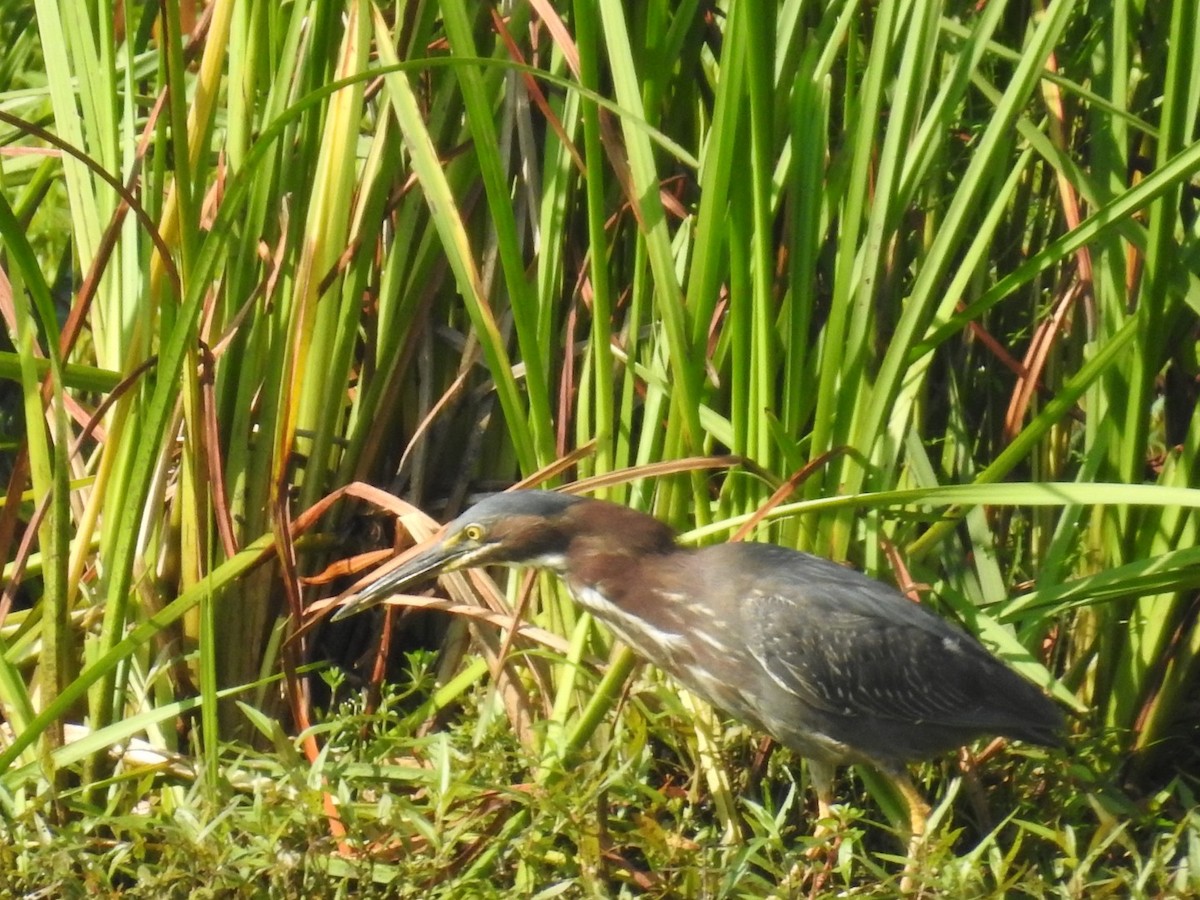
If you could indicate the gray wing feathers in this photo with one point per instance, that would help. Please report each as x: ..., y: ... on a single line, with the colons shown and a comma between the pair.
x: 862, y: 663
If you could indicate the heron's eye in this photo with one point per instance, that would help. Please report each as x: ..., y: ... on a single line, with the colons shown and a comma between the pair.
x: 473, y: 533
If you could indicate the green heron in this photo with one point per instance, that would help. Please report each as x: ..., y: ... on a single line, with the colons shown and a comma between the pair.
x: 833, y: 664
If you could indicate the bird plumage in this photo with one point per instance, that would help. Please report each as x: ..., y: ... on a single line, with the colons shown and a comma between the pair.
x: 874, y: 676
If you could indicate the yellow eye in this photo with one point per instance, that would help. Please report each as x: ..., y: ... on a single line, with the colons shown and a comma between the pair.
x: 473, y: 533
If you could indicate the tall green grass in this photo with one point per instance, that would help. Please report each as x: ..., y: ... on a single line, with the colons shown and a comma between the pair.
x: 926, y: 271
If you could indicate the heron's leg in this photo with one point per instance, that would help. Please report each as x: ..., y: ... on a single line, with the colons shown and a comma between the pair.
x: 822, y: 778
x: 821, y: 775
x: 918, y: 816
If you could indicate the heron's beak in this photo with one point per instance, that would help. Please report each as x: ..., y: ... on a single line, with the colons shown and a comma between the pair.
x: 441, y: 557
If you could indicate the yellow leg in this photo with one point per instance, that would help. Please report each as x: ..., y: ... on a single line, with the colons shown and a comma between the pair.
x: 822, y: 779
x: 918, y: 816
x: 821, y: 775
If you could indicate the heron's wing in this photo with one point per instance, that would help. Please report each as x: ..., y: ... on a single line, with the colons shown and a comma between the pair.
x: 848, y: 658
